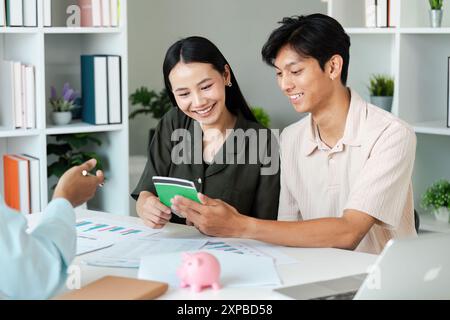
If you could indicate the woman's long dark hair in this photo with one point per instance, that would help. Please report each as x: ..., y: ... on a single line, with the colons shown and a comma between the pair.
x: 198, y: 49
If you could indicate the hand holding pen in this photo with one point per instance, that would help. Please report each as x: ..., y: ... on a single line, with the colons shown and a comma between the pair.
x: 77, y: 185
x: 87, y: 173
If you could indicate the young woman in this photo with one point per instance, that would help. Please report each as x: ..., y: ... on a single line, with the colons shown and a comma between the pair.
x: 210, y: 137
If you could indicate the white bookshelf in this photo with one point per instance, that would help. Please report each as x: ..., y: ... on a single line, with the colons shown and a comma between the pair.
x: 416, y: 56
x: 55, y: 52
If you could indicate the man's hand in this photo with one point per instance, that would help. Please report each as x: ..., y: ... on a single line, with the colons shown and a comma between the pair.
x: 75, y: 187
x: 154, y: 214
x: 213, y: 217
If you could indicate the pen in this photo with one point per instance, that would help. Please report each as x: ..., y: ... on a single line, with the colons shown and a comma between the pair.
x: 88, y: 174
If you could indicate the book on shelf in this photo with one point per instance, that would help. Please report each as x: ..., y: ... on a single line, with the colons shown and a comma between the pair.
x: 30, y: 13
x: 382, y: 9
x: 448, y: 93
x: 114, y: 13
x: 2, y: 13
x: 90, y: 13
x: 7, y: 118
x: 21, y: 183
x: 101, y: 89
x: 393, y: 16
x: 381, y: 13
x: 16, y: 183
x: 30, y: 96
x: 14, y: 13
x: 371, y: 13
x: 47, y: 12
x: 18, y: 13
x: 94, y: 87
x: 106, y: 13
x: 99, y: 13
x: 18, y: 95
x: 114, y: 90
x: 34, y: 182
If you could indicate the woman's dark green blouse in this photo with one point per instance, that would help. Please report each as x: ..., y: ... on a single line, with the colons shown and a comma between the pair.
x: 230, y: 177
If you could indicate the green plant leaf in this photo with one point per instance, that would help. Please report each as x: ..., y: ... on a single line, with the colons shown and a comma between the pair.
x: 58, y: 168
x: 381, y: 85
x: 261, y: 116
x: 150, y: 102
x: 437, y: 196
x: 436, y: 4
x: 58, y: 149
x: 70, y: 153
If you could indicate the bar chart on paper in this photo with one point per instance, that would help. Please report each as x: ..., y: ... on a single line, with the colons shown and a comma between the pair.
x: 243, y: 248
x: 110, y: 230
x: 98, y: 228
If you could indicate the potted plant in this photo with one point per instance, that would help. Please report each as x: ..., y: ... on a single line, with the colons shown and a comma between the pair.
x: 381, y: 90
x: 150, y: 102
x: 437, y: 199
x: 69, y: 152
x: 436, y: 13
x: 261, y: 116
x: 62, y: 105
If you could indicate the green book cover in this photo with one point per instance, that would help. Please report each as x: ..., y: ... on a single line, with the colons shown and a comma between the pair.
x: 167, y: 188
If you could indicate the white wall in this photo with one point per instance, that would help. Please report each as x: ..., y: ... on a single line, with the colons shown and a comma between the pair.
x: 238, y: 27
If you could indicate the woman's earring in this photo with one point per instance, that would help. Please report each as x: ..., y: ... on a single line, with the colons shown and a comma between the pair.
x: 230, y: 84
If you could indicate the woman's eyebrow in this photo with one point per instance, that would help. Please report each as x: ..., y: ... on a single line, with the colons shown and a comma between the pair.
x: 203, y: 81
x: 198, y: 84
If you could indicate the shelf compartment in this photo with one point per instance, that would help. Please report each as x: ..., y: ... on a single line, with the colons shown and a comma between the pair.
x: 423, y: 78
x: 81, y: 30
x: 432, y: 127
x: 8, y: 133
x: 425, y: 30
x: 379, y: 50
x: 81, y: 127
x: 19, y: 30
x: 369, y: 31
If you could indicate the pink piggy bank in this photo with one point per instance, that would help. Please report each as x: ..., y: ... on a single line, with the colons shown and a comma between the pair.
x: 199, y: 270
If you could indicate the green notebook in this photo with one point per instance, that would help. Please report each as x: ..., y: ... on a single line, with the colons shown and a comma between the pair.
x: 167, y: 188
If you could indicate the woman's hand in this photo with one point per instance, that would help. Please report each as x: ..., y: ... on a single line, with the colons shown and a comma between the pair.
x: 154, y: 214
x: 212, y: 217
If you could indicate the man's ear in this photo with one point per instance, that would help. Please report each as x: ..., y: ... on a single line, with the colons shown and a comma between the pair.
x: 334, y: 67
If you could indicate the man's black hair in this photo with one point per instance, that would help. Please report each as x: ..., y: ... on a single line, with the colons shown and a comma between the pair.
x: 315, y: 36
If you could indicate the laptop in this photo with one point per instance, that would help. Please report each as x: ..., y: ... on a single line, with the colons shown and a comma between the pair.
x: 416, y: 268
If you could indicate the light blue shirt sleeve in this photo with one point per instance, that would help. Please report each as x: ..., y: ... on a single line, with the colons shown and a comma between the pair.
x: 33, y: 266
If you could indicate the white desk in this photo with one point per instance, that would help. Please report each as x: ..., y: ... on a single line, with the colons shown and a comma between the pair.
x: 313, y: 265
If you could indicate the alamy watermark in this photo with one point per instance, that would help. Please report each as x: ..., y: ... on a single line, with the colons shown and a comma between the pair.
x: 73, y: 281
x: 74, y: 18
x: 250, y: 146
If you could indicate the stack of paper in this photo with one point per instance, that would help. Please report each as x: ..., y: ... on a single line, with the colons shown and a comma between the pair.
x: 236, y: 270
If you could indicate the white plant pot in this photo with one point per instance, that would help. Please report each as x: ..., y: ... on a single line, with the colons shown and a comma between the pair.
x: 383, y: 102
x: 442, y: 214
x: 435, y: 18
x: 61, y: 118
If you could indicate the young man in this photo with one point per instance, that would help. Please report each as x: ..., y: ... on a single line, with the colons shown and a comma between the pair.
x: 34, y: 265
x: 346, y: 167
